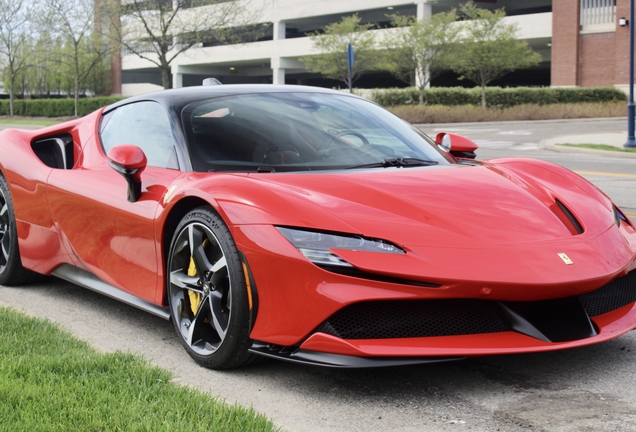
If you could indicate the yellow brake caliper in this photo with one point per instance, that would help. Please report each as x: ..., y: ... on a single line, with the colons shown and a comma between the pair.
x: 195, y: 297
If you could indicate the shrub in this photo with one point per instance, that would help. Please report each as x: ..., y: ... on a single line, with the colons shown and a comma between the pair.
x: 497, y: 96
x: 471, y: 113
x: 55, y: 107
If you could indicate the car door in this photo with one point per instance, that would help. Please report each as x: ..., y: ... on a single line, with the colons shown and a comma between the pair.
x: 103, y: 232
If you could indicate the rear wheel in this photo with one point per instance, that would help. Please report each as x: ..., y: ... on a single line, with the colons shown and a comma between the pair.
x: 11, y: 270
x: 207, y: 292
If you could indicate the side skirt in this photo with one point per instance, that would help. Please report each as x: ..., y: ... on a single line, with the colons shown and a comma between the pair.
x: 89, y: 280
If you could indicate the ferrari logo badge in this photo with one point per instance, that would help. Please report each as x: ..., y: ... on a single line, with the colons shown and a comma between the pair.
x: 566, y: 259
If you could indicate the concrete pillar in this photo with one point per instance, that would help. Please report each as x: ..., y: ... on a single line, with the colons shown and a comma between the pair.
x: 177, y: 79
x: 278, y: 76
x: 424, y: 13
x: 279, y: 30
x: 278, y: 72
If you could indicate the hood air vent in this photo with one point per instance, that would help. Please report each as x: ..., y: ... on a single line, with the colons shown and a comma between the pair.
x: 568, y: 218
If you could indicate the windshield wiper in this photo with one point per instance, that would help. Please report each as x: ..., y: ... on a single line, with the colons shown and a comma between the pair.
x: 401, y: 162
x: 282, y: 168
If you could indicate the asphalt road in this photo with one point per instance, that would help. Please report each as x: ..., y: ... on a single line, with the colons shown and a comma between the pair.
x: 585, y: 389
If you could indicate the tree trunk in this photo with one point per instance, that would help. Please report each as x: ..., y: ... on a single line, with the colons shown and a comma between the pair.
x: 422, y: 79
x: 77, y: 76
x: 76, y: 93
x: 483, y: 96
x: 165, y: 77
x: 11, y: 94
x: 346, y: 81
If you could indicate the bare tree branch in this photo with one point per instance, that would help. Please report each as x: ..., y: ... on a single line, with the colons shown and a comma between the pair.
x: 15, y: 35
x: 74, y: 22
x: 161, y: 30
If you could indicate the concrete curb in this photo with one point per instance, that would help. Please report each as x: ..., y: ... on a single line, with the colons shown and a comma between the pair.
x: 19, y: 126
x: 606, y: 153
x: 517, y: 122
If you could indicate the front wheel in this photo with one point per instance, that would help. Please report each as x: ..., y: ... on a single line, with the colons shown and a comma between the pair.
x: 207, y: 292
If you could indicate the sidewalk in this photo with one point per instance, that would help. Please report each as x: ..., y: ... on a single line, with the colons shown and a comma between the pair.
x: 615, y: 139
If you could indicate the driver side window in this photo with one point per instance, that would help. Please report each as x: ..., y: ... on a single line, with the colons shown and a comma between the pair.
x: 144, y: 124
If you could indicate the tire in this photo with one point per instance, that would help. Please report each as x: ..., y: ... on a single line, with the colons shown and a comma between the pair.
x: 11, y: 270
x: 210, y: 313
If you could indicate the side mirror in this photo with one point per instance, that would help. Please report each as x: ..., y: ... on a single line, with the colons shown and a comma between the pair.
x: 129, y: 161
x: 457, y: 145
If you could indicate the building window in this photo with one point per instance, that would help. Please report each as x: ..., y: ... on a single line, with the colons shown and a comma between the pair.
x: 595, y: 12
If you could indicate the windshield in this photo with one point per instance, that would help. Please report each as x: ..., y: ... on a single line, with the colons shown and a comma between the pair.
x: 283, y: 132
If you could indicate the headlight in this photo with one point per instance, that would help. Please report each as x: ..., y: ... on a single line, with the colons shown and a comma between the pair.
x: 316, y: 246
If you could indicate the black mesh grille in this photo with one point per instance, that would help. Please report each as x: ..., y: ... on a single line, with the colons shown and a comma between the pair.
x: 413, y: 318
x: 618, y: 293
x: 421, y: 318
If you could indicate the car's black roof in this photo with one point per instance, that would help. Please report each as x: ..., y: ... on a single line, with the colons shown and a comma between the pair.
x: 182, y: 96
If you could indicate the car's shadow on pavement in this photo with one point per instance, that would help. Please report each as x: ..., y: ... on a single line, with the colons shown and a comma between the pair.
x: 579, y: 389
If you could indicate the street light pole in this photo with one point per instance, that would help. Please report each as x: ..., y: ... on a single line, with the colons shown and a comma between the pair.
x: 350, y: 61
x: 631, y: 140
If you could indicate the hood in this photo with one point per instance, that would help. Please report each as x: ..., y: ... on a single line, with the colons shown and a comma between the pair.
x: 445, y: 205
x: 465, y: 227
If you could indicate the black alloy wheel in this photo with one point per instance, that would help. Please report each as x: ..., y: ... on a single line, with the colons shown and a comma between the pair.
x: 207, y: 292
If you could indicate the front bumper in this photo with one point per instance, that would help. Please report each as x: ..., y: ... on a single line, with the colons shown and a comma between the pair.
x: 302, y: 309
x: 605, y: 309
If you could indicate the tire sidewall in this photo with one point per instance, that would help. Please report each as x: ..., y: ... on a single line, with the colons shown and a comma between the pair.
x: 231, y: 349
x: 13, y: 261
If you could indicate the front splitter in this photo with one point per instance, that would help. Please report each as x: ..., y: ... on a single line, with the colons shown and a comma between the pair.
x: 313, y: 358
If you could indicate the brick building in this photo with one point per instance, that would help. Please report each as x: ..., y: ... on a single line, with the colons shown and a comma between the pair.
x: 590, y: 47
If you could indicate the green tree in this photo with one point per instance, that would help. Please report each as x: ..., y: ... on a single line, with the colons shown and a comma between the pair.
x: 332, y: 45
x: 160, y: 30
x: 84, y: 49
x: 489, y: 48
x: 51, y: 72
x: 99, y: 81
x: 45, y: 76
x: 420, y: 50
x: 15, y: 31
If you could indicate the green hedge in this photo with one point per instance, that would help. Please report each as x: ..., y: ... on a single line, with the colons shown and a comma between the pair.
x: 496, y: 96
x: 55, y: 107
x: 449, y: 96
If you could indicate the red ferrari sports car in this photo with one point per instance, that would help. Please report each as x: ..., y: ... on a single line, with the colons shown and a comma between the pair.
x: 314, y: 226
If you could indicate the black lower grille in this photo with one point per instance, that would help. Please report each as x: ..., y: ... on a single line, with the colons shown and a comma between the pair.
x: 616, y: 294
x: 414, y: 318
x: 422, y: 318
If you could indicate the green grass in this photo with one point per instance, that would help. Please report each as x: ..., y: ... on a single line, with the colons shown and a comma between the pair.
x: 601, y: 147
x: 28, y: 122
x: 50, y: 381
